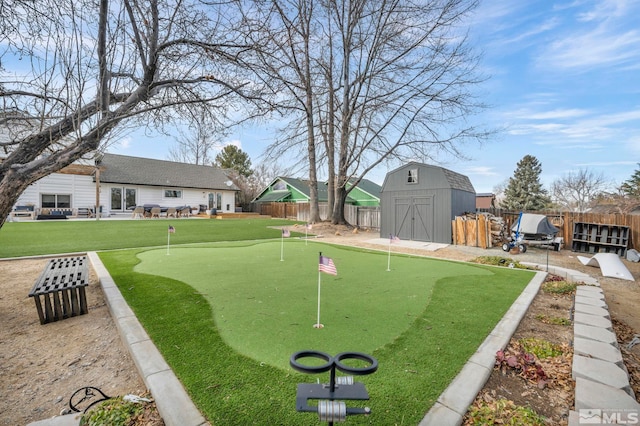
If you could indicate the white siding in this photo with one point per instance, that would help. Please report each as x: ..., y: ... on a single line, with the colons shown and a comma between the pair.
x: 81, y: 188
x: 83, y: 193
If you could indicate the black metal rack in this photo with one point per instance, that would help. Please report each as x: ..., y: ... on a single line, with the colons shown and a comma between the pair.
x: 600, y: 238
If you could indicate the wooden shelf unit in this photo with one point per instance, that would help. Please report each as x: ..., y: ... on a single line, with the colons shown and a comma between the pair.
x: 600, y: 238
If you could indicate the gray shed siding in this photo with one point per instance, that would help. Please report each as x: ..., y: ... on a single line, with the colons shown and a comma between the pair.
x: 423, y: 210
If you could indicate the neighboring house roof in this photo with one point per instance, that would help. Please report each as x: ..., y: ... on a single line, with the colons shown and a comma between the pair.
x: 369, y: 187
x: 298, y: 190
x: 123, y: 169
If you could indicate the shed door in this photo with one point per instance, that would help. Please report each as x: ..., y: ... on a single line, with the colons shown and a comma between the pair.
x: 414, y: 218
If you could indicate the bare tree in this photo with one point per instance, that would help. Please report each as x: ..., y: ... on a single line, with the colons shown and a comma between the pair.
x: 287, y: 27
x: 251, y: 186
x: 196, y: 145
x: 74, y: 71
x: 388, y: 80
x: 576, y: 191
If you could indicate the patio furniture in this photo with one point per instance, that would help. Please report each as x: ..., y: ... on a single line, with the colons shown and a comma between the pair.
x: 59, y: 292
x: 138, y: 212
x: 172, y: 212
x: 84, y: 212
x: 23, y: 211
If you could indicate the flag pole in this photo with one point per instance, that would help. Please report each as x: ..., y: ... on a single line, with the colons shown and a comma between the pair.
x: 168, y: 240
x: 318, y: 324
x: 306, y: 234
x: 389, y: 256
x: 281, y: 245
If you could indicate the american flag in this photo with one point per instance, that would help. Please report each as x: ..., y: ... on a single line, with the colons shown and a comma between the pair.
x: 326, y: 265
x: 286, y: 233
x: 172, y: 230
x: 393, y: 238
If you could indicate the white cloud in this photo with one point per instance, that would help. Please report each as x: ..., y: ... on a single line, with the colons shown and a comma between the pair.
x: 481, y: 171
x: 124, y: 143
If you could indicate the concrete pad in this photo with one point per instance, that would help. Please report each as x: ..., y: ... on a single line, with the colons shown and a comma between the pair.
x: 592, y: 310
x: 593, y: 320
x: 440, y: 415
x: 598, y: 350
x: 591, y: 394
x: 600, y: 371
x: 591, y: 301
x: 594, y: 333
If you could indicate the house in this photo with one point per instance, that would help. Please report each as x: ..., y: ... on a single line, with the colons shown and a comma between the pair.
x: 122, y: 182
x: 485, y: 200
x: 285, y: 189
x: 419, y: 201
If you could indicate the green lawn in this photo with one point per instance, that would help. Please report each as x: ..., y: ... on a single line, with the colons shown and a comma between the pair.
x: 227, y: 313
x: 47, y: 237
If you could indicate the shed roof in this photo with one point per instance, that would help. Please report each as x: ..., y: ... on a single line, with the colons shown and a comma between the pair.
x: 453, y: 179
x: 124, y: 169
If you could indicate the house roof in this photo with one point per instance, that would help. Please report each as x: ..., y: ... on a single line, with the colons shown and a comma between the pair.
x: 302, y: 186
x: 123, y: 169
x: 369, y: 187
x: 274, y: 196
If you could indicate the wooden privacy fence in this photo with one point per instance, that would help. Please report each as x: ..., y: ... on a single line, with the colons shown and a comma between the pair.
x: 282, y: 210
x: 362, y: 217
x: 464, y: 233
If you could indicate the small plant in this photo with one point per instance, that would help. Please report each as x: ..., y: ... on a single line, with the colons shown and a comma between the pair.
x: 112, y: 412
x: 503, y: 412
x: 541, y: 348
x: 499, y: 261
x: 558, y: 287
x: 553, y: 320
x: 522, y: 362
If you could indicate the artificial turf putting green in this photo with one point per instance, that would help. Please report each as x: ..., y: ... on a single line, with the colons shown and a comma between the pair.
x: 265, y: 307
x: 231, y: 388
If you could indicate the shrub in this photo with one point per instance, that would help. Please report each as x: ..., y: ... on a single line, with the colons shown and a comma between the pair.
x: 503, y: 412
x: 541, y: 348
x: 499, y: 261
x: 112, y: 412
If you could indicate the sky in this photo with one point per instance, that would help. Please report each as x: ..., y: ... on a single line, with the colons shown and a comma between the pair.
x: 563, y: 85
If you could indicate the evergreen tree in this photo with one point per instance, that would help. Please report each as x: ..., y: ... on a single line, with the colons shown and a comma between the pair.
x: 233, y: 158
x: 631, y: 186
x: 524, y: 190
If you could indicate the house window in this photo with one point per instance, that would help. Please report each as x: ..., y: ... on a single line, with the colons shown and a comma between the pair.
x: 412, y: 177
x: 55, y: 201
x: 172, y: 193
x: 279, y: 186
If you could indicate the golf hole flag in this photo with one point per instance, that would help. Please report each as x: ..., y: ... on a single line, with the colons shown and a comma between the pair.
x: 326, y: 265
x: 172, y: 230
x: 285, y: 233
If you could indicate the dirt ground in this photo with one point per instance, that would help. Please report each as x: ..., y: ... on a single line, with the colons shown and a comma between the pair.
x: 42, y: 365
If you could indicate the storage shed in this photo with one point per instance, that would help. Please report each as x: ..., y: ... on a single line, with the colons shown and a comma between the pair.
x: 419, y: 201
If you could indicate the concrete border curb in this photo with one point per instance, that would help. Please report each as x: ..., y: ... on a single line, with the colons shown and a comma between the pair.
x: 454, y: 402
x: 173, y: 402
